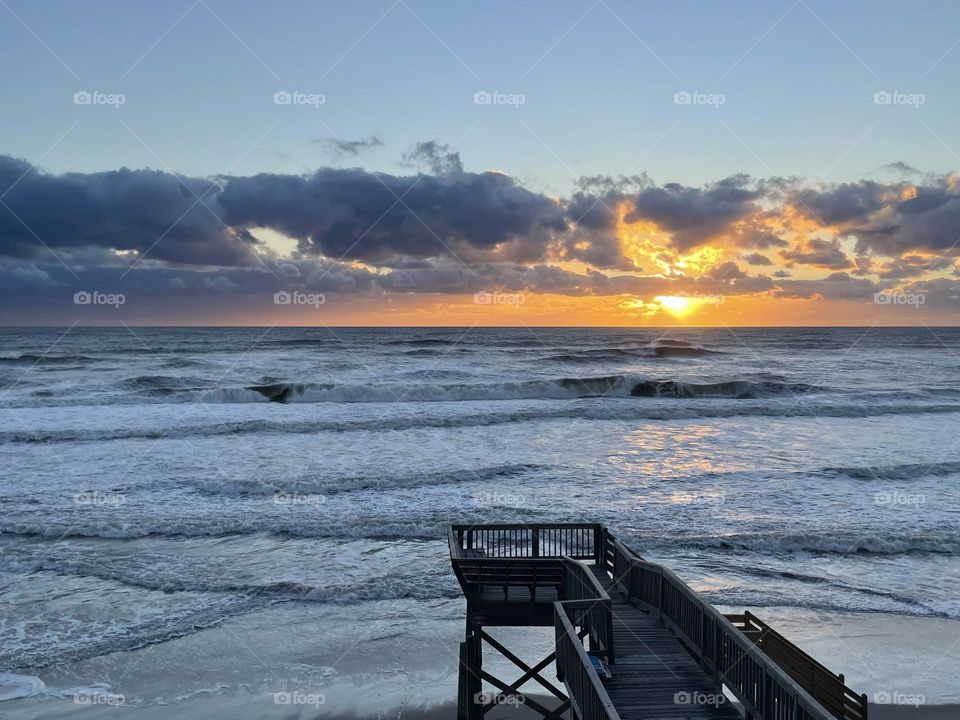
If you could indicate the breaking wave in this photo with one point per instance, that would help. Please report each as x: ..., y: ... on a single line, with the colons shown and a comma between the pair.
x: 831, y: 544
x: 36, y: 359
x: 618, y: 412
x: 737, y: 389
x: 906, y: 471
x: 327, y: 486
x: 559, y: 389
x: 660, y: 349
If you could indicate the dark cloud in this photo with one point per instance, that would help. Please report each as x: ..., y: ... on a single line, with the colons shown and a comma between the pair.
x: 437, y: 157
x: 694, y: 216
x: 376, y: 217
x: 753, y: 234
x: 339, y: 147
x: 726, y: 271
x: 758, y: 259
x: 891, y: 219
x: 449, y: 231
x: 822, y: 253
x: 175, y: 218
x: 913, y: 266
x: 844, y: 203
x: 837, y: 286
x: 903, y: 168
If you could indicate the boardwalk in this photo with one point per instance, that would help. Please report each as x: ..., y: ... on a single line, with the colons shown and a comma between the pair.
x: 668, y: 652
x: 654, y: 677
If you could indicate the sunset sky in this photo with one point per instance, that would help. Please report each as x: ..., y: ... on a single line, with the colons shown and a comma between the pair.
x: 432, y: 163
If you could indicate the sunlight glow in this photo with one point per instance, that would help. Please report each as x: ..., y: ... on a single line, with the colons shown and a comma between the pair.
x: 676, y: 304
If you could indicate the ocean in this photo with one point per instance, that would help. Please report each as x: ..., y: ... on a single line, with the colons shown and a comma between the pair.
x: 212, y: 515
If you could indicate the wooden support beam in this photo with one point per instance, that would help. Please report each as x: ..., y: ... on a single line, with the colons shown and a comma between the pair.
x: 529, y: 702
x: 529, y: 672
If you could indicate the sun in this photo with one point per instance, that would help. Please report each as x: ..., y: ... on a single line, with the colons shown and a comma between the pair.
x: 676, y: 304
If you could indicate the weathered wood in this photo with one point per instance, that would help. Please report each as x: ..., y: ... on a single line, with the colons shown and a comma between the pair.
x: 531, y: 673
x: 829, y: 688
x: 674, y: 652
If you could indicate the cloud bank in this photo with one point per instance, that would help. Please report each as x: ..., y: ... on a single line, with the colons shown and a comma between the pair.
x: 437, y: 228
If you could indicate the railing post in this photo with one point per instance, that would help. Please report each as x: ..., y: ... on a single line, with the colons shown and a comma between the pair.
x: 660, y: 592
x: 536, y: 541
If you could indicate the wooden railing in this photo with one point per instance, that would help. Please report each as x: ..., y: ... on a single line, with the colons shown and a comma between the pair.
x: 543, y: 556
x: 587, y: 605
x: 579, y: 541
x: 588, y: 698
x: 782, y: 683
x: 828, y: 688
x: 766, y: 691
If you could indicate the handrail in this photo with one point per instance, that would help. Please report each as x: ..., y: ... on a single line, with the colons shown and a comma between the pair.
x: 766, y: 691
x: 591, y: 606
x: 829, y: 688
x: 524, y: 540
x: 588, y: 697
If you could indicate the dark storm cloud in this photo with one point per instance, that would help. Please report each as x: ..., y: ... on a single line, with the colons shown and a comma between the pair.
x: 448, y: 231
x: 173, y: 217
x: 694, y: 216
x: 842, y: 203
x: 337, y: 213
x: 592, y: 217
x: 891, y: 219
x: 374, y: 217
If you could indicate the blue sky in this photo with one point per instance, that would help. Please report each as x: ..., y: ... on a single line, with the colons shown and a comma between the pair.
x: 598, y: 79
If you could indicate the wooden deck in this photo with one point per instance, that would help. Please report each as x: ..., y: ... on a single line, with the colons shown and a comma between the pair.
x: 653, y: 675
x: 669, y: 653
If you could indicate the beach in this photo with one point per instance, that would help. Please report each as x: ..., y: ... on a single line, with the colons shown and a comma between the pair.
x: 174, y: 541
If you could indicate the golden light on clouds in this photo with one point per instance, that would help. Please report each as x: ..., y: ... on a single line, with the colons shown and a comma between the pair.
x: 659, y: 285
x: 649, y: 248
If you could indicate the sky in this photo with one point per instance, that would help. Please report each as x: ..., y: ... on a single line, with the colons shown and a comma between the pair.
x: 412, y: 162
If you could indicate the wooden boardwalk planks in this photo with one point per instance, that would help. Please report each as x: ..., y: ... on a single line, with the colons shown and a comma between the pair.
x: 654, y: 676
